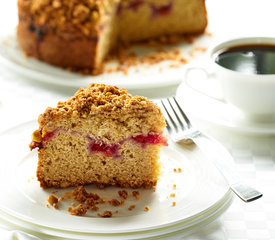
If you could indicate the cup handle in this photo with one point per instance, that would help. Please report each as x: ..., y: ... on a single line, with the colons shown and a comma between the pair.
x: 208, y: 75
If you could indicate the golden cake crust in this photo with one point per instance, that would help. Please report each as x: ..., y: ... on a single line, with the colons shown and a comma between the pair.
x: 105, y: 112
x: 98, y: 99
x: 68, y: 15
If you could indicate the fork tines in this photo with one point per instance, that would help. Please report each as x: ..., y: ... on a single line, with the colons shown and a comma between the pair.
x: 176, y: 119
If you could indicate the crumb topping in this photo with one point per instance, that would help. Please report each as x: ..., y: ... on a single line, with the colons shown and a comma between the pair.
x: 114, y: 202
x: 172, y: 195
x: 79, y: 210
x: 70, y: 15
x: 53, y: 200
x: 123, y: 194
x: 99, y: 99
x: 106, y: 214
x: 37, y: 136
x: 146, y: 208
x: 131, y: 207
x: 136, y: 194
x: 81, y: 195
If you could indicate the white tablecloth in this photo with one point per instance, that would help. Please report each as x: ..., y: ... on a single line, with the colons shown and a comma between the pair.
x: 22, y: 100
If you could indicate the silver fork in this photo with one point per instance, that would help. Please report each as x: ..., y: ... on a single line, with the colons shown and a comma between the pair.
x: 181, y: 129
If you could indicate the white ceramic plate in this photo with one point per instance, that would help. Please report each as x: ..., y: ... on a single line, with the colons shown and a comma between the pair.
x: 203, y: 108
x: 139, y: 77
x: 199, y: 187
x: 173, y: 232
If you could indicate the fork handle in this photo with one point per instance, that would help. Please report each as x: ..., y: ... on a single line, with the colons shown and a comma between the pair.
x: 245, y: 192
x: 223, y: 161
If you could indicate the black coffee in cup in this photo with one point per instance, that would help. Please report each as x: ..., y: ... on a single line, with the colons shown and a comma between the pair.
x: 251, y: 59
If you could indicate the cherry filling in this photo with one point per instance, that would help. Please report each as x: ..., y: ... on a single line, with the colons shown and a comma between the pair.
x: 48, y: 136
x: 109, y: 150
x: 162, y: 10
x: 100, y: 146
x: 35, y: 145
x: 112, y: 150
x: 132, y: 5
x: 151, y: 139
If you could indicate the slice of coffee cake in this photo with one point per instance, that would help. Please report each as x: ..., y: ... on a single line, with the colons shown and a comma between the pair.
x: 101, y: 135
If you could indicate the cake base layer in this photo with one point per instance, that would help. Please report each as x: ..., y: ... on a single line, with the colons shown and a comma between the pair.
x: 153, y: 19
x: 67, y: 159
x: 64, y: 49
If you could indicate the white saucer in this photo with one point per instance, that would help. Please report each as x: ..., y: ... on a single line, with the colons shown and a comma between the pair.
x: 194, y: 204
x: 203, y: 108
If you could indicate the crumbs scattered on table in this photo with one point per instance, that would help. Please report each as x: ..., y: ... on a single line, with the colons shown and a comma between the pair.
x: 174, y: 66
x: 177, y: 170
x: 194, y: 51
x: 209, y: 34
x: 136, y: 194
x: 131, y: 207
x: 123, y: 194
x: 81, y: 201
x: 146, y: 208
x: 94, y: 208
x: 106, y: 214
x: 67, y: 196
x: 79, y: 210
x: 100, y: 185
x: 53, y: 200
x: 114, y: 202
x: 31, y: 179
x: 172, y: 195
x: 200, y: 48
x: 127, y: 58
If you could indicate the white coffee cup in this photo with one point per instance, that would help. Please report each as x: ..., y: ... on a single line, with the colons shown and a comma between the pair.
x: 253, y: 94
